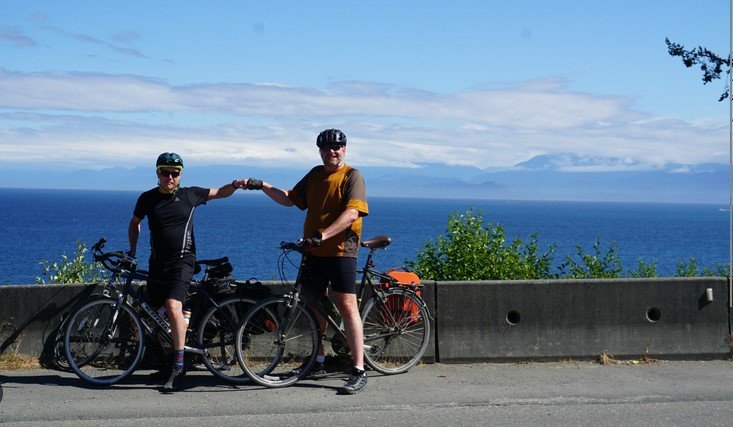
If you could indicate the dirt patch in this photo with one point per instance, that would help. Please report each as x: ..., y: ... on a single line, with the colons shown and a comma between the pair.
x: 606, y: 358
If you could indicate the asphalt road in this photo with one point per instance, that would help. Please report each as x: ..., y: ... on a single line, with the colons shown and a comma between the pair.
x: 568, y: 393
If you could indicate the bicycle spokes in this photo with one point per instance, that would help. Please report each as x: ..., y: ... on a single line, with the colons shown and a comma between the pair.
x: 396, y: 331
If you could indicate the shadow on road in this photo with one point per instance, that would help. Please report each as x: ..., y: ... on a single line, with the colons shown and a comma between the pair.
x: 193, y: 381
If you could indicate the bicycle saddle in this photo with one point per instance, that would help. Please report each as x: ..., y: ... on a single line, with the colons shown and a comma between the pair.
x: 376, y: 242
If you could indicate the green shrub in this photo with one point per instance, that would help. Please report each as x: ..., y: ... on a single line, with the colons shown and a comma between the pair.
x: 76, y: 269
x: 719, y: 269
x: 644, y: 269
x: 687, y: 269
x: 470, y: 250
x: 593, y: 265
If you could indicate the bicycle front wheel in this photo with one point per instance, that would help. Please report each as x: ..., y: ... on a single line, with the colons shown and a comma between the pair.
x: 216, y: 336
x: 277, y: 342
x: 396, y: 331
x: 104, y: 341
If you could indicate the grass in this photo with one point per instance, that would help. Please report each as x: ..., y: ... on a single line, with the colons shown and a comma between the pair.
x: 14, y: 362
x: 11, y: 360
x: 606, y: 358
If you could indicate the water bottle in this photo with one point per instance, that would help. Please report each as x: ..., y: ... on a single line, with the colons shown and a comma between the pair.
x: 187, y: 318
x: 163, y: 313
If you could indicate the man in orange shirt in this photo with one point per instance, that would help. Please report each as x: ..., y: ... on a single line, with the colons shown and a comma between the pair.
x: 334, y: 195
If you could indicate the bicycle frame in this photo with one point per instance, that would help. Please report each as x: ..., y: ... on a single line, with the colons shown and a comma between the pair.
x: 104, y: 338
x: 139, y: 304
x: 367, y: 274
x: 143, y: 308
x: 278, y: 340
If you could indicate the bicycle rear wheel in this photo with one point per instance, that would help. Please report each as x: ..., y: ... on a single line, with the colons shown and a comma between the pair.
x: 277, y: 343
x: 103, y: 341
x: 396, y: 331
x: 216, y: 336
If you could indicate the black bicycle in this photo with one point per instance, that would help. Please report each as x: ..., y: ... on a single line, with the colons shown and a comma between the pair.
x: 278, y: 338
x: 105, y: 338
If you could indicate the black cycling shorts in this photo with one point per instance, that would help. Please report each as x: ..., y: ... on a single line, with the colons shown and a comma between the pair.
x: 320, y: 272
x: 169, y: 279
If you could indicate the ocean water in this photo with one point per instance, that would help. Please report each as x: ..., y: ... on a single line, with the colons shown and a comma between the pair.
x: 40, y: 225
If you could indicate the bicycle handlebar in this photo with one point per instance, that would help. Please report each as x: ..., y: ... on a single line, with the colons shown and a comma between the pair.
x: 99, y: 245
x: 118, y: 260
x: 298, y: 246
x: 374, y: 243
x: 112, y: 261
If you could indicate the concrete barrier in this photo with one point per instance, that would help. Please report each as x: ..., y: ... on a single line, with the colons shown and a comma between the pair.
x: 30, y: 317
x: 665, y: 318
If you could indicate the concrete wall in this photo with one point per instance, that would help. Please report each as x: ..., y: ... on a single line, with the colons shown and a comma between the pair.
x: 30, y: 316
x: 487, y: 321
x: 570, y: 319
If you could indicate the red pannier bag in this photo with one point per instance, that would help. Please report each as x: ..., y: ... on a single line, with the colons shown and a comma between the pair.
x: 403, y: 309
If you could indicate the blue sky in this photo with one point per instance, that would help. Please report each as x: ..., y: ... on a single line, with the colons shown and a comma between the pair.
x: 485, y: 84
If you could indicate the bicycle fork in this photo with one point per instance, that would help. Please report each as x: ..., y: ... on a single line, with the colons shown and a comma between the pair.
x: 289, y: 320
x: 112, y: 329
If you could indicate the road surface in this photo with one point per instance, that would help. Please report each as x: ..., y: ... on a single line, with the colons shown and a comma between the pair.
x: 575, y: 393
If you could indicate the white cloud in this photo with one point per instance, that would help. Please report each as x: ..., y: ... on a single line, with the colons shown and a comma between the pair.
x: 85, y: 38
x: 90, y: 119
x: 15, y: 36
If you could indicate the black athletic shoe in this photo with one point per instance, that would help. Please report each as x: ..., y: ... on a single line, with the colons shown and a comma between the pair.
x: 175, y: 373
x: 318, y: 370
x: 161, y: 375
x: 356, y: 382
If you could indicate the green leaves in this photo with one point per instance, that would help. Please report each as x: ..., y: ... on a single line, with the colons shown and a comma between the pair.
x: 644, y: 269
x: 593, y: 265
x: 471, y: 249
x: 75, y: 269
x: 691, y: 269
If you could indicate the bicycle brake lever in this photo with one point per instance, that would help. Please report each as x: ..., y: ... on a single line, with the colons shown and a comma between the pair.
x: 100, y: 244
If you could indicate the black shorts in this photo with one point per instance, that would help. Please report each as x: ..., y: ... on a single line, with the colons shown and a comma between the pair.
x: 319, y: 272
x: 169, y: 279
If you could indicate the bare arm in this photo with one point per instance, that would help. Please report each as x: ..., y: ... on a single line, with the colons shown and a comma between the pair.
x: 279, y: 196
x: 342, y: 223
x: 133, y: 232
x: 226, y: 190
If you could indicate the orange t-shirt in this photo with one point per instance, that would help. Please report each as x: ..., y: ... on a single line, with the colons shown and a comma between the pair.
x: 326, y: 195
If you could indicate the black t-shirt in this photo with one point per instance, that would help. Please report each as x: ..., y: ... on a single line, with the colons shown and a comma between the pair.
x: 170, y: 220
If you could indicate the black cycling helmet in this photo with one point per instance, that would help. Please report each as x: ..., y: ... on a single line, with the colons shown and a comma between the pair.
x: 330, y: 137
x: 169, y: 160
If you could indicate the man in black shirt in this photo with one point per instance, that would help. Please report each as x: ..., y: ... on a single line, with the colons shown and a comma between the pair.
x: 169, y: 209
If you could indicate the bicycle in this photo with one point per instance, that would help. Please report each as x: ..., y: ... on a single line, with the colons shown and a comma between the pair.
x: 278, y: 338
x: 105, y: 338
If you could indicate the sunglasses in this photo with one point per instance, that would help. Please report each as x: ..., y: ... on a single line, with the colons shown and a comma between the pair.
x: 169, y: 174
x: 334, y: 147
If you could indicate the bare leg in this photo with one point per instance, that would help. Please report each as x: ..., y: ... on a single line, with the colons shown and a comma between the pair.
x: 349, y: 309
x: 178, y: 334
x: 178, y: 327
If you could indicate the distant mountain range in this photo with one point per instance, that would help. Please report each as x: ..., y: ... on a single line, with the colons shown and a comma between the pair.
x: 558, y: 177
